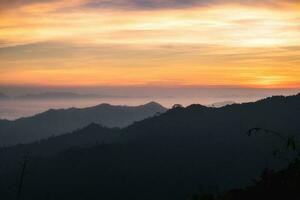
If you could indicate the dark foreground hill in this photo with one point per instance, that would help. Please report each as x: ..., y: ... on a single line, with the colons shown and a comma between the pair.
x: 169, y: 156
x: 90, y: 135
x: 280, y: 185
x: 56, y: 122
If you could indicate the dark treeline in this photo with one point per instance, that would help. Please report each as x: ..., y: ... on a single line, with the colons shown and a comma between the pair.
x: 271, y: 184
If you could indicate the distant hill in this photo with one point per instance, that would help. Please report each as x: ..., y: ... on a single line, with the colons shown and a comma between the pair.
x: 183, y: 150
x: 221, y: 104
x: 57, y: 95
x: 3, y: 96
x: 56, y: 122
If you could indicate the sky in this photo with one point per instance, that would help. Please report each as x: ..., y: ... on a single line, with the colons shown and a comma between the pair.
x: 159, y: 43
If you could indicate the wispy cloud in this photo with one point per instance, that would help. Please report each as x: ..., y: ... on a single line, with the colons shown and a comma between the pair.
x: 249, y: 26
x: 141, y: 4
x: 122, y: 42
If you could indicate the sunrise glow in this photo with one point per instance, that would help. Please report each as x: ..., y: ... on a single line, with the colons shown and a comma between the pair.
x: 80, y: 43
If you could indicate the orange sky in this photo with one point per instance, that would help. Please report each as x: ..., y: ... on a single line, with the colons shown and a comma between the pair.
x: 197, y: 43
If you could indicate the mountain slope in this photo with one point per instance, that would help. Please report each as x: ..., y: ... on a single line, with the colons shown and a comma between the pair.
x: 167, y: 156
x: 88, y: 136
x: 283, y: 184
x: 56, y: 122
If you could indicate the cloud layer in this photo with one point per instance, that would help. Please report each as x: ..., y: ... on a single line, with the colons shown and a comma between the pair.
x: 165, y: 42
x: 143, y: 4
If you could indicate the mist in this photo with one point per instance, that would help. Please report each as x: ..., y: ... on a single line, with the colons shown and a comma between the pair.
x: 21, y: 104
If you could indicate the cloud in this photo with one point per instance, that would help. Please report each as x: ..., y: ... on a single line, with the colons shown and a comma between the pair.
x: 146, y: 4
x: 8, y: 4
x: 248, y: 27
x: 174, y: 4
x: 187, y: 42
x: 142, y: 4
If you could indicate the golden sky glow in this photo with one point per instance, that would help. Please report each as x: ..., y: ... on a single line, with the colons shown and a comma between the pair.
x: 203, y: 43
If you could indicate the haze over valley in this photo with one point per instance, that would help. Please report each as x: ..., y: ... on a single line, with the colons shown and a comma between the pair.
x: 25, y: 101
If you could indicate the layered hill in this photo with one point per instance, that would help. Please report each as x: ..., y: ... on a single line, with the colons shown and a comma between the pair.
x: 56, y: 122
x: 168, y: 156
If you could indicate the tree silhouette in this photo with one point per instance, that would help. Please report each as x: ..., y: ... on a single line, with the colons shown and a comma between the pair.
x: 23, y: 164
x: 289, y: 140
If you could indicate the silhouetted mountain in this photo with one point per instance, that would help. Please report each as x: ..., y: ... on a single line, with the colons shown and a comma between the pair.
x: 93, y: 134
x: 165, y: 156
x: 56, y: 122
x: 273, y: 185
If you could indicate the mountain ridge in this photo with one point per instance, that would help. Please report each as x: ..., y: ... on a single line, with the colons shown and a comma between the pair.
x: 177, y: 151
x: 59, y: 121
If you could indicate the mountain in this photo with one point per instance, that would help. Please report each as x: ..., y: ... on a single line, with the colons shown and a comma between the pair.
x: 167, y: 156
x: 91, y: 135
x: 56, y: 122
x: 283, y: 184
